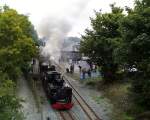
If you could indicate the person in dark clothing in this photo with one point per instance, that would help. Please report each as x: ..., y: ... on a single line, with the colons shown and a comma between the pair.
x: 71, y: 68
x: 67, y: 70
x: 80, y: 68
x: 89, y: 73
x: 48, y: 118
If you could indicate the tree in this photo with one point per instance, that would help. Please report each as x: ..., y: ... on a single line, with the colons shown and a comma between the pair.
x: 135, y: 29
x: 17, y: 41
x: 9, y: 103
x: 17, y: 48
x: 100, y: 42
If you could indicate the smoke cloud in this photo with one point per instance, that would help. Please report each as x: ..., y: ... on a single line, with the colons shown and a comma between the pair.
x: 56, y: 27
x: 55, y: 30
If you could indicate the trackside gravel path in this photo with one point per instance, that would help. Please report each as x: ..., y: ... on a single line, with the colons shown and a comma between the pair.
x: 29, y: 109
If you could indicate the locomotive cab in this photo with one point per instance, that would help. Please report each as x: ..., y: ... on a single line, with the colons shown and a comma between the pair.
x: 44, y: 67
x: 55, y: 78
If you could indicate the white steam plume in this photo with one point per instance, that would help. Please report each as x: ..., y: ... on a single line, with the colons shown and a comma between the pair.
x: 55, y: 28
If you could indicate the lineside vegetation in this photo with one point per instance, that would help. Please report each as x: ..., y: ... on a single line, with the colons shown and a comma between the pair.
x: 120, y: 43
x: 17, y: 48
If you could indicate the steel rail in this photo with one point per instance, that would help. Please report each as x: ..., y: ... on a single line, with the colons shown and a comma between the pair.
x: 75, y: 91
x: 65, y: 115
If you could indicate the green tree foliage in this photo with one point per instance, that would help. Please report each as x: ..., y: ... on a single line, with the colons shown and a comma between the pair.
x: 17, y: 37
x: 9, y: 103
x: 100, y: 42
x: 14, y: 26
x: 135, y: 50
x: 17, y: 48
x: 123, y: 40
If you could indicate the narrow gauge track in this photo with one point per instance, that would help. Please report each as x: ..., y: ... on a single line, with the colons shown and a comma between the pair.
x: 83, y: 104
x: 66, y: 115
x: 80, y: 100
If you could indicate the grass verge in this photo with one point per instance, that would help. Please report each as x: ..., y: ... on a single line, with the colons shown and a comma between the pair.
x: 75, y: 76
x: 117, y: 93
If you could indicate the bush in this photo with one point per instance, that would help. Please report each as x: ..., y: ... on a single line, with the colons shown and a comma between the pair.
x: 92, y: 81
x: 141, y: 92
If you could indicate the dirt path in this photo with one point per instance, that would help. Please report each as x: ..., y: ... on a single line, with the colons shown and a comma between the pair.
x: 46, y: 110
x: 29, y: 109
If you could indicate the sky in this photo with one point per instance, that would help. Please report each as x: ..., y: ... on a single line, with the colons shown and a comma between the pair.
x: 74, y: 14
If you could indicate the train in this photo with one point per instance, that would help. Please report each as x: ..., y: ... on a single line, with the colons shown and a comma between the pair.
x: 58, y: 92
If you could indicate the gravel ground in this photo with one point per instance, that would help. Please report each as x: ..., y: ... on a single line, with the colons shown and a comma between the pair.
x: 102, y: 106
x: 29, y: 105
x: 99, y: 104
x: 46, y: 109
x: 29, y: 109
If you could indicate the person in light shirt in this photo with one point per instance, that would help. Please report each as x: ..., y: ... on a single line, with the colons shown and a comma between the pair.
x: 85, y: 68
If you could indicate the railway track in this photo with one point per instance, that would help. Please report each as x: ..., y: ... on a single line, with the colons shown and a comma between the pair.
x: 66, y: 115
x: 90, y: 113
x: 83, y: 104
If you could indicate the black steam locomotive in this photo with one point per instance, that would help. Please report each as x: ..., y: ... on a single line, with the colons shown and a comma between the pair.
x: 58, y: 92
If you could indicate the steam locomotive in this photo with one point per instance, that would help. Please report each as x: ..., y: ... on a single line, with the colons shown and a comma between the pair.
x: 59, y: 94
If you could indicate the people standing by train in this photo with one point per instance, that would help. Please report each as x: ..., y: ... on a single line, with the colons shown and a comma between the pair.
x: 85, y: 68
x: 72, y: 68
x: 79, y: 69
x: 67, y: 70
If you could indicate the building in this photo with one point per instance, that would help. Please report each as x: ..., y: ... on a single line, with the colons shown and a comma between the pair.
x: 71, y: 53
